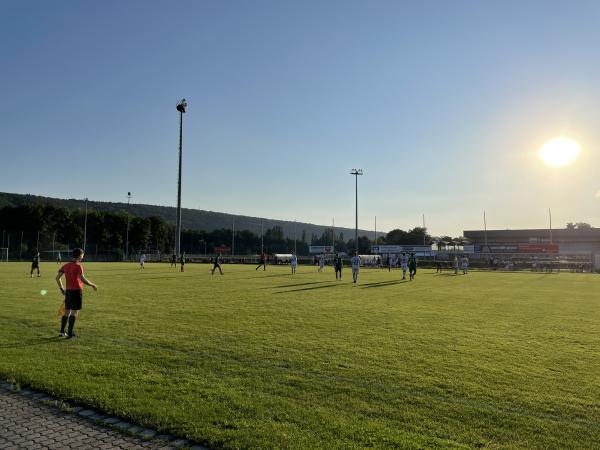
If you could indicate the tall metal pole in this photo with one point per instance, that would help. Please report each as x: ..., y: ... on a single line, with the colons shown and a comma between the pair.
x: 485, y: 229
x: 84, y: 227
x: 233, y: 238
x: 424, y: 230
x: 295, y: 251
x: 127, y: 233
x: 375, y: 230
x: 333, y: 234
x: 181, y: 108
x: 550, y: 218
x: 356, y: 173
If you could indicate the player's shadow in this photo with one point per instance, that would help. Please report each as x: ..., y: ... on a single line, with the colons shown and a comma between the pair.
x: 309, y: 288
x: 296, y: 284
x: 32, y: 342
x: 383, y: 284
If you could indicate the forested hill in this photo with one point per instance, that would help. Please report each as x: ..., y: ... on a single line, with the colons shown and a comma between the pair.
x: 195, y: 219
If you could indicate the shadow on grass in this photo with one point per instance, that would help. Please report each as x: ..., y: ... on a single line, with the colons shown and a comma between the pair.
x: 383, y: 284
x: 309, y: 288
x: 33, y: 342
x: 296, y: 284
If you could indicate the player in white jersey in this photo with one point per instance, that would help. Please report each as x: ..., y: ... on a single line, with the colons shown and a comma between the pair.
x: 465, y: 264
x: 404, y: 265
x: 321, y: 262
x: 455, y: 265
x: 355, y: 266
x: 142, y: 260
x: 294, y: 262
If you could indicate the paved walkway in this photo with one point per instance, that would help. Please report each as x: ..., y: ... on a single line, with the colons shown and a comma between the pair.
x: 26, y: 422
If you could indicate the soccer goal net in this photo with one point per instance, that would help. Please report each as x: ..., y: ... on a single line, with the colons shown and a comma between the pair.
x: 3, y: 254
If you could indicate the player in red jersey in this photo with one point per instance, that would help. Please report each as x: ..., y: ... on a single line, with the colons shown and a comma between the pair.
x: 73, y: 272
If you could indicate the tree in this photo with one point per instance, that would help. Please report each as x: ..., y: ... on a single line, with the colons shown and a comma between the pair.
x: 583, y: 226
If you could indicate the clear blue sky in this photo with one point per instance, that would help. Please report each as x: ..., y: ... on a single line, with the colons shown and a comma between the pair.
x: 443, y: 104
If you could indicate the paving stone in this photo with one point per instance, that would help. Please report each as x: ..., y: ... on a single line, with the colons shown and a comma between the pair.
x: 86, y: 413
x: 26, y: 423
x: 148, y: 433
x: 135, y: 429
x: 180, y: 443
x: 123, y: 425
x: 198, y: 447
x: 111, y: 420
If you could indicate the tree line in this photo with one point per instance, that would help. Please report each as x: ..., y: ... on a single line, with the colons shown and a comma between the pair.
x: 45, y: 227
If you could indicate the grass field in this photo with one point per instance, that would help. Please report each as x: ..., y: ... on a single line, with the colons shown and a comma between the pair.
x: 270, y: 360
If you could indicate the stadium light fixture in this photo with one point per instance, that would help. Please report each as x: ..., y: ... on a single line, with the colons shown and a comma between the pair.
x: 356, y: 173
x: 181, y: 107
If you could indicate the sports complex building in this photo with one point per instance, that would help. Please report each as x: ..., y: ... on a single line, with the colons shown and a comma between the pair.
x: 579, y: 245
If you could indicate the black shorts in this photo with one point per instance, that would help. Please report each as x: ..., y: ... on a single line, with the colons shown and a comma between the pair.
x: 338, y: 269
x: 73, y: 299
x: 35, y: 266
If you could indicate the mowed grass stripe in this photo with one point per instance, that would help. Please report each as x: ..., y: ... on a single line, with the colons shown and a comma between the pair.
x: 257, y: 359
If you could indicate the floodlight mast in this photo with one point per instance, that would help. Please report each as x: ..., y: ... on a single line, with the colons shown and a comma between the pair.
x: 356, y: 173
x: 181, y: 107
x: 127, y: 233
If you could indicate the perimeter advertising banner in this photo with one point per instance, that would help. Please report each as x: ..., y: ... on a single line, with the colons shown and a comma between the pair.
x: 317, y: 249
x: 538, y: 248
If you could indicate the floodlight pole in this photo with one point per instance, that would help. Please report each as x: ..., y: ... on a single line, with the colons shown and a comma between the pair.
x: 181, y: 108
x: 295, y: 251
x: 84, y: 226
x: 261, y: 238
x: 356, y: 173
x: 127, y: 232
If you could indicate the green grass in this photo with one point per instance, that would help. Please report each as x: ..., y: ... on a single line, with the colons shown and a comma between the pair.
x: 270, y: 360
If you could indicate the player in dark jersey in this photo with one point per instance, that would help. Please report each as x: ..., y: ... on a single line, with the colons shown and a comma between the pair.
x: 182, y: 262
x: 337, y: 265
x: 216, y: 264
x: 412, y: 266
x: 35, y: 265
x: 262, y: 262
x: 174, y: 260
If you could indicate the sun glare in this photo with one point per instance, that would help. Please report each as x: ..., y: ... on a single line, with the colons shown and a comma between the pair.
x: 560, y: 151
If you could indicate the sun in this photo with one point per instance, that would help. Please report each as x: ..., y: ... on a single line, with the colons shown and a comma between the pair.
x: 560, y: 151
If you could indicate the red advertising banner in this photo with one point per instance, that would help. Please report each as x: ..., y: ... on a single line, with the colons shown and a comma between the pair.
x: 538, y: 248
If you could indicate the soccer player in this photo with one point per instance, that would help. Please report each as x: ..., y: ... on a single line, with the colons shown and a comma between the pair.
x: 321, y: 262
x: 58, y: 258
x: 337, y: 265
x: 182, y: 262
x: 412, y: 266
x: 35, y: 265
x: 216, y: 264
x: 389, y: 263
x: 142, y: 260
x: 465, y: 264
x: 73, y: 272
x: 455, y: 265
x: 173, y: 260
x: 294, y: 262
x: 355, y: 267
x: 262, y: 262
x: 404, y: 265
